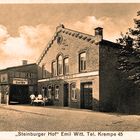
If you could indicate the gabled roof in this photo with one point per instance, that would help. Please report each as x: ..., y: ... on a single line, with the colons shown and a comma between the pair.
x: 76, y: 34
x: 89, y: 38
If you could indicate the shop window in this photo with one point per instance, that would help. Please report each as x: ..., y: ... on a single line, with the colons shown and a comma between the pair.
x: 60, y: 65
x: 56, y: 92
x: 66, y: 66
x: 54, y: 69
x: 73, y: 91
x: 82, y: 62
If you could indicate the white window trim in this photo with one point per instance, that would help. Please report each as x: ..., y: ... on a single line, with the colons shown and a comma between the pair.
x: 56, y: 93
x: 58, y: 72
x: 66, y: 65
x: 49, y: 93
x: 54, y: 68
x: 84, y: 60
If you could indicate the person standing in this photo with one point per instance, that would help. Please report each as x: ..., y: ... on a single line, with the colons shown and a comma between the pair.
x: 32, y: 96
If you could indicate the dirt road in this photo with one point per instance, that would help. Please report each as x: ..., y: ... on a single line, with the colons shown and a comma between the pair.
x: 35, y: 118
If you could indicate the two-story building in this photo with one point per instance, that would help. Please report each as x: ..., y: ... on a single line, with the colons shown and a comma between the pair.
x: 80, y: 70
x: 69, y: 68
x: 17, y: 83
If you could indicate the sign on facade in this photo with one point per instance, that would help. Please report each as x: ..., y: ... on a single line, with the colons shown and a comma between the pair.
x: 20, y: 81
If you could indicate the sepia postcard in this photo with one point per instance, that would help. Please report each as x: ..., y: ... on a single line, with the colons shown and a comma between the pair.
x: 69, y: 70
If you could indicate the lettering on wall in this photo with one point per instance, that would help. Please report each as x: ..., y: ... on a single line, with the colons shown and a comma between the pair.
x: 20, y: 81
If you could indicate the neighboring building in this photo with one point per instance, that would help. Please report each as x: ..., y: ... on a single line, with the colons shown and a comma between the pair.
x: 18, y: 83
x: 80, y: 70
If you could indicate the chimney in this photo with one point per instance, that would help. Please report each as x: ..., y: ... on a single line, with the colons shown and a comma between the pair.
x: 24, y: 62
x: 98, y: 34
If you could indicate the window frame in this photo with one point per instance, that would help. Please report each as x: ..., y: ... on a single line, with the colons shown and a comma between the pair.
x: 73, y: 92
x: 83, y: 66
x: 57, y: 92
x: 54, y: 69
x: 49, y: 92
x: 44, y: 71
x: 58, y: 66
x: 66, y: 67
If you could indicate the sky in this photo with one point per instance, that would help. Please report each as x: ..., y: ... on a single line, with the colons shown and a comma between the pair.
x: 25, y: 29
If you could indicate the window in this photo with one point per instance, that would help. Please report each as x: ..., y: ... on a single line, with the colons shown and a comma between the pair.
x: 54, y: 70
x: 22, y: 74
x: 73, y: 91
x: 59, y: 40
x: 12, y: 74
x: 66, y: 66
x: 17, y: 74
x: 34, y: 75
x: 44, y: 72
x: 56, y: 92
x: 49, y: 92
x: 31, y: 88
x: 82, y: 62
x: 60, y: 65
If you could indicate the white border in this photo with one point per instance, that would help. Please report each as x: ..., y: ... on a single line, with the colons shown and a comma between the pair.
x: 66, y: 1
x: 11, y: 135
x: 114, y: 135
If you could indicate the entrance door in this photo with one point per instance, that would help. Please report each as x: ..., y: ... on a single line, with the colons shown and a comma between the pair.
x: 66, y: 92
x: 86, y: 95
x: 19, y: 94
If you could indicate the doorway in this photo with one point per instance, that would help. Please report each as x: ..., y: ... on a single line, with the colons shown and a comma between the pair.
x: 66, y: 92
x: 19, y: 94
x: 86, y: 95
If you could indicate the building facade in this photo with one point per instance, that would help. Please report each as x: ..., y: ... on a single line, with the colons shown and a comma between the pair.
x: 66, y: 71
x: 80, y: 70
x: 17, y: 83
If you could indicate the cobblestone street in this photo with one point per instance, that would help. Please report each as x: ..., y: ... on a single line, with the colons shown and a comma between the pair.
x: 38, y: 118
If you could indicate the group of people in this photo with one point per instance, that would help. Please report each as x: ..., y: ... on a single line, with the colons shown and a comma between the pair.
x: 33, y: 98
